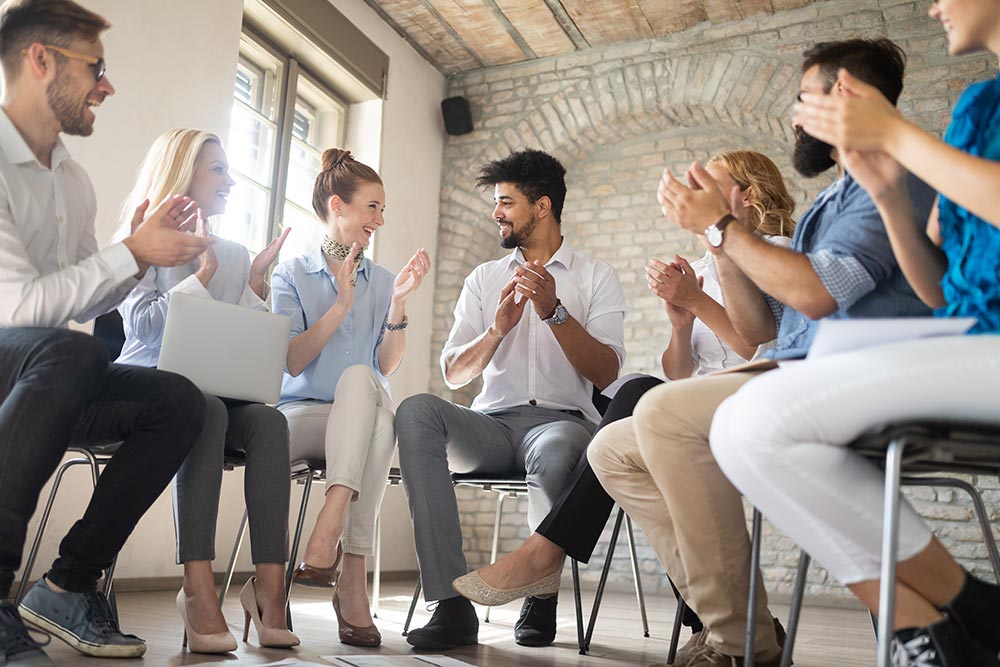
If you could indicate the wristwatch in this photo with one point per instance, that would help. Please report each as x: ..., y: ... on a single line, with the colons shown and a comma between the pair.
x: 713, y: 234
x: 559, y: 315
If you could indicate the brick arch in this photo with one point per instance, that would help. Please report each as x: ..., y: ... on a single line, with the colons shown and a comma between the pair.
x: 748, y: 96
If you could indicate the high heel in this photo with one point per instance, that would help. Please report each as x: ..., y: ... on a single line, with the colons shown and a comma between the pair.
x: 352, y: 635
x: 267, y: 637
x: 220, y: 642
x: 319, y: 577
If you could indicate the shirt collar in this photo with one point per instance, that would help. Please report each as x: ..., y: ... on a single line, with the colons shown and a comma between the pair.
x: 315, y: 262
x: 16, y: 148
x: 563, y: 256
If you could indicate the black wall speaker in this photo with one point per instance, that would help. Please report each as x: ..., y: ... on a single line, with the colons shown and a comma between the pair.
x: 457, y: 115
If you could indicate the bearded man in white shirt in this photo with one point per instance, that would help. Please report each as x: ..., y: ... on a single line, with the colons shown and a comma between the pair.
x: 56, y: 385
x: 543, y: 326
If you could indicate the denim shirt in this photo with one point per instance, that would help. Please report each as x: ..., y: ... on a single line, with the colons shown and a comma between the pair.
x: 304, y: 289
x: 843, y: 236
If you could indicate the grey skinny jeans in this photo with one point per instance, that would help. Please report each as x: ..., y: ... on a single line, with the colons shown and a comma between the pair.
x: 260, y: 432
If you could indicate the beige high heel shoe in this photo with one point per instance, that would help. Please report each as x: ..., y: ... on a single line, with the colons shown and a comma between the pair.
x: 220, y: 642
x: 266, y: 637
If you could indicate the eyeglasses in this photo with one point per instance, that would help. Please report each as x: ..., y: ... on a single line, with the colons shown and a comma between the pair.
x: 98, y: 64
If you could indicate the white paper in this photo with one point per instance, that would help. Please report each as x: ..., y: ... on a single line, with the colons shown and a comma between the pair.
x: 834, y: 336
x: 394, y: 661
x: 613, y: 388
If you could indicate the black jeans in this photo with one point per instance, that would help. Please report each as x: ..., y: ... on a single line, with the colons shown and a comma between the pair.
x: 57, y: 389
x: 577, y: 518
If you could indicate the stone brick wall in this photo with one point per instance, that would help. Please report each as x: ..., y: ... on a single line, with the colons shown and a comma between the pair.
x: 616, y: 116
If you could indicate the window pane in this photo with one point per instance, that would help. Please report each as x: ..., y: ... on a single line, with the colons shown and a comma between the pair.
x: 251, y: 145
x: 307, y: 232
x: 245, y: 220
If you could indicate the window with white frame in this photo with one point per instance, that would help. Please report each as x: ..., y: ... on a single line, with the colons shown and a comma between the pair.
x: 282, y: 120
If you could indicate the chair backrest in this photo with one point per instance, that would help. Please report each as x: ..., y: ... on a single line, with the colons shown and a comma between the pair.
x: 109, y: 330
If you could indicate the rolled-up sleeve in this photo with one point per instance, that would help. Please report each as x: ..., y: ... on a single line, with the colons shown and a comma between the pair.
x: 606, y: 315
x: 468, y: 323
x: 844, y: 276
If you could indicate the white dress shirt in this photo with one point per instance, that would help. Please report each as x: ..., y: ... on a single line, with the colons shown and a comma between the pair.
x: 529, y: 367
x: 50, y: 268
x: 144, y: 310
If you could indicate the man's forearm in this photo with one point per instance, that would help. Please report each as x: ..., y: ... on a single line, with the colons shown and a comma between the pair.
x: 468, y: 361
x: 745, y: 303
x: 591, y: 358
x: 786, y: 275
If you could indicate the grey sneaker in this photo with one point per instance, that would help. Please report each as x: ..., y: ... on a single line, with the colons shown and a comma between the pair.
x: 16, y: 645
x: 82, y: 620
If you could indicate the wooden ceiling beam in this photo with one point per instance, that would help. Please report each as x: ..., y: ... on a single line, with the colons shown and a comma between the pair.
x: 567, y: 24
x: 538, y: 26
x: 511, y: 30
x: 432, y: 10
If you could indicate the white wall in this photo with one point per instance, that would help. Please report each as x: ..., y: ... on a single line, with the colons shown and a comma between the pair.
x: 172, y: 64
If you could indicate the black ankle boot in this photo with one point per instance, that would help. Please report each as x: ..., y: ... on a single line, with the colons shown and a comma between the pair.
x: 977, y: 609
x: 941, y: 644
x: 537, y: 624
x: 454, y: 623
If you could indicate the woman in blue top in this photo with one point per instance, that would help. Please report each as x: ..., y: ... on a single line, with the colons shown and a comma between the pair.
x: 782, y: 439
x: 348, y: 333
x: 194, y: 163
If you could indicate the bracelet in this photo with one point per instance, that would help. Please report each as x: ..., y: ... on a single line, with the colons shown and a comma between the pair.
x: 389, y: 326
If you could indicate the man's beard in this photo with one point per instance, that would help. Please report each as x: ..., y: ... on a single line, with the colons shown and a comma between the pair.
x: 811, y: 156
x: 70, y: 112
x: 517, y: 239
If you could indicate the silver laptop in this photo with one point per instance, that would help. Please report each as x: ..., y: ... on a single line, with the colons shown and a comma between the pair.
x: 226, y: 350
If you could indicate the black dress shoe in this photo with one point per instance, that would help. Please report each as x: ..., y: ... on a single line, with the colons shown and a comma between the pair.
x: 537, y: 624
x: 454, y: 623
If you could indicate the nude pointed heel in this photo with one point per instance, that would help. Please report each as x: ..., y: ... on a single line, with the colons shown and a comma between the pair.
x: 219, y: 642
x: 266, y: 637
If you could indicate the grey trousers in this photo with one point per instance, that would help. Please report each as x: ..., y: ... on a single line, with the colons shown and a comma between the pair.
x: 259, y: 431
x: 437, y: 437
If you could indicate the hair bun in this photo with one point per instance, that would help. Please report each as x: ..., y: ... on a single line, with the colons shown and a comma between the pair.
x: 334, y: 157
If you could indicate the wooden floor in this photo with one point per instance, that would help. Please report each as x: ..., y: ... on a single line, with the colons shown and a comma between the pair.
x: 841, y: 637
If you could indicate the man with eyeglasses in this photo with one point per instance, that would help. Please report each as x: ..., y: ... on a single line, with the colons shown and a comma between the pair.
x: 56, y: 386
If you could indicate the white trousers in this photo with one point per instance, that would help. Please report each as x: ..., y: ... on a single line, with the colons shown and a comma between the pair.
x: 356, y: 437
x: 782, y: 440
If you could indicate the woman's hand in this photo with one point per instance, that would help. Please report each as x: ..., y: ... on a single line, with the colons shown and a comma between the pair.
x: 680, y: 318
x: 855, y: 116
x: 675, y: 283
x: 263, y: 262
x: 695, y: 206
x: 344, y: 278
x: 208, y: 263
x: 409, y: 278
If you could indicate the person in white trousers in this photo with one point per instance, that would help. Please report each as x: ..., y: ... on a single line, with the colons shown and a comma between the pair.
x: 783, y: 438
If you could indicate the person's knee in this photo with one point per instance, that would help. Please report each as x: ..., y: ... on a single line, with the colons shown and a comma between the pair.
x: 269, y: 425
x: 356, y: 378
x: 180, y: 403
x: 419, y: 412
x: 559, y: 450
x: 745, y: 434
x: 79, y: 360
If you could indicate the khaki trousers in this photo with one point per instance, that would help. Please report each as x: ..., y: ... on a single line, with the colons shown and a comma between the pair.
x: 658, y: 466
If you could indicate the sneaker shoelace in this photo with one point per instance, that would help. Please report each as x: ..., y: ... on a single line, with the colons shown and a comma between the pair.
x: 916, y: 652
x: 101, y: 615
x: 16, y: 637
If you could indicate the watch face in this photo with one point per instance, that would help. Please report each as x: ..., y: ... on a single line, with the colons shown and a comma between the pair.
x: 714, y: 236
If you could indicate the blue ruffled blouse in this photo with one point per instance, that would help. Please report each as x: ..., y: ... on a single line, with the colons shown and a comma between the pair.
x: 971, y: 283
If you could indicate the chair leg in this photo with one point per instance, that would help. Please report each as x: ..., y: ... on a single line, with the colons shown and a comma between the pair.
x: 599, y: 593
x: 413, y: 606
x: 292, y: 559
x: 675, y: 633
x: 978, y: 505
x: 501, y: 496
x: 227, y: 579
x: 578, y: 604
x: 890, y: 539
x: 796, y: 609
x: 377, y: 567
x: 751, y: 634
x: 636, y: 577
x: 29, y: 563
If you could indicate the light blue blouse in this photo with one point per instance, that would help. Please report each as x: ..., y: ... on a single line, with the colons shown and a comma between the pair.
x: 304, y: 289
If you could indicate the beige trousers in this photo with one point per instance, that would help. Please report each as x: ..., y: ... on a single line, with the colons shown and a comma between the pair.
x: 658, y: 466
x: 356, y: 438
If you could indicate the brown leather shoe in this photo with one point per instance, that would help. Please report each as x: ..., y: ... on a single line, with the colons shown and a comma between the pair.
x: 319, y: 577
x: 352, y: 635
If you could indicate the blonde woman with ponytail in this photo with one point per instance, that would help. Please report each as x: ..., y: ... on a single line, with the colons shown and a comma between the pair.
x: 348, y: 334
x: 194, y: 163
